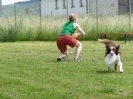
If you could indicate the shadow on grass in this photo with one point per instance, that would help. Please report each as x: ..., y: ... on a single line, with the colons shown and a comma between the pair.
x: 103, y: 72
x: 106, y: 72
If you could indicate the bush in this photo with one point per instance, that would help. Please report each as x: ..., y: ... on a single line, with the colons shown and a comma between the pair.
x: 28, y: 28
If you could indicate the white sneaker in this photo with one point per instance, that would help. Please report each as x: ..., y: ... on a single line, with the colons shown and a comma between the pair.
x: 78, y: 59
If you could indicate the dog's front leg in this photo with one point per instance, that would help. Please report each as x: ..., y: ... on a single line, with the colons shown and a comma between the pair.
x: 115, y: 66
x: 109, y: 67
x: 120, y: 66
x: 119, y: 63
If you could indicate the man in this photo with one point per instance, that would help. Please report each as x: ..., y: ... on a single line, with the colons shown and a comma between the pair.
x: 65, y: 38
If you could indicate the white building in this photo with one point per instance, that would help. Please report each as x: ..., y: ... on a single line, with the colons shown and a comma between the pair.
x: 103, y: 7
x: 63, y: 7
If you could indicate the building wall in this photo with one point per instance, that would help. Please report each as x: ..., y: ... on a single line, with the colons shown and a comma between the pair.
x: 78, y: 9
x: 104, y: 7
x: 124, y: 6
x: 48, y: 7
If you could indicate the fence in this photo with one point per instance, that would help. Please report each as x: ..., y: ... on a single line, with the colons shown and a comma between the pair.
x: 108, y: 15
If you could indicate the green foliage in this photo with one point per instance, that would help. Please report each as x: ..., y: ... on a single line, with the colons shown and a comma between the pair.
x: 29, y: 28
x: 8, y: 35
x: 34, y: 0
x: 22, y: 8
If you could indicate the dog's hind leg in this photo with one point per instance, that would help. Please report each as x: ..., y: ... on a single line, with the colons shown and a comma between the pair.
x: 115, y: 67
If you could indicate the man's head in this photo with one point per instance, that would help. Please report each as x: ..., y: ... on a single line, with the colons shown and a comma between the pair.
x: 72, y: 17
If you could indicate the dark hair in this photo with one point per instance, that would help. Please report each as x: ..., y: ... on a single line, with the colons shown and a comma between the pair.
x: 72, y: 17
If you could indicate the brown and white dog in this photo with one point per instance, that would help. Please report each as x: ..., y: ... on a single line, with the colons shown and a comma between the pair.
x: 112, y: 52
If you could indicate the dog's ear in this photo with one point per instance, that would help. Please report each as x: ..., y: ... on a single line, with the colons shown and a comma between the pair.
x: 107, y: 49
x: 117, y: 49
x: 107, y: 46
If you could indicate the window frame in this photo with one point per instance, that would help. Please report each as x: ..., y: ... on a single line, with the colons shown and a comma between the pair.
x: 64, y: 4
x: 56, y: 5
x: 72, y: 4
x: 81, y: 3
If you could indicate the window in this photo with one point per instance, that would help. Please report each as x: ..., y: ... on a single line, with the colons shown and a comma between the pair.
x: 56, y: 5
x: 72, y: 4
x: 81, y: 3
x: 112, y: 5
x: 64, y: 4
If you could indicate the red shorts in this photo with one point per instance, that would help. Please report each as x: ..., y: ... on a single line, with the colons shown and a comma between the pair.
x: 64, y: 40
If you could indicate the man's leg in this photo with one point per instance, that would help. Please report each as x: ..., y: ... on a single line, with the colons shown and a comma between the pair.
x: 62, y: 55
x: 78, y: 49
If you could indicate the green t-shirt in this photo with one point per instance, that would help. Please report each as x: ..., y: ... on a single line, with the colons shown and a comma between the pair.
x: 68, y: 28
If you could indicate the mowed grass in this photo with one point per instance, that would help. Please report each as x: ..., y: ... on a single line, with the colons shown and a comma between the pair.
x: 28, y: 70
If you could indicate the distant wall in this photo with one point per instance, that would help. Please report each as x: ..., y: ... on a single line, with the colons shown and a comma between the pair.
x: 59, y: 7
x: 104, y: 7
x: 49, y: 7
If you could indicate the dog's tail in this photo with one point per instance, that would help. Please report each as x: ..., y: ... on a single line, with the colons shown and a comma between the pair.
x: 100, y: 40
x: 106, y: 41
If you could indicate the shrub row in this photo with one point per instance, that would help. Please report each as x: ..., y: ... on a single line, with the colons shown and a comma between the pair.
x: 30, y: 28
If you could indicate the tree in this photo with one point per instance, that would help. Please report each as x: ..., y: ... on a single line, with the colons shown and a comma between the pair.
x: 34, y: 0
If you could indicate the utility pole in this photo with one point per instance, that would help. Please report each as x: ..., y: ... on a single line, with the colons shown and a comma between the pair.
x: 130, y: 20
x: 0, y: 7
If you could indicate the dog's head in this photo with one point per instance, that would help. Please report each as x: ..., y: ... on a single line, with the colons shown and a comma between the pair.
x: 112, y: 49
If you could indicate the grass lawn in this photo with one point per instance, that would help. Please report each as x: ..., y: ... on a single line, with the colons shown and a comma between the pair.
x: 28, y: 70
